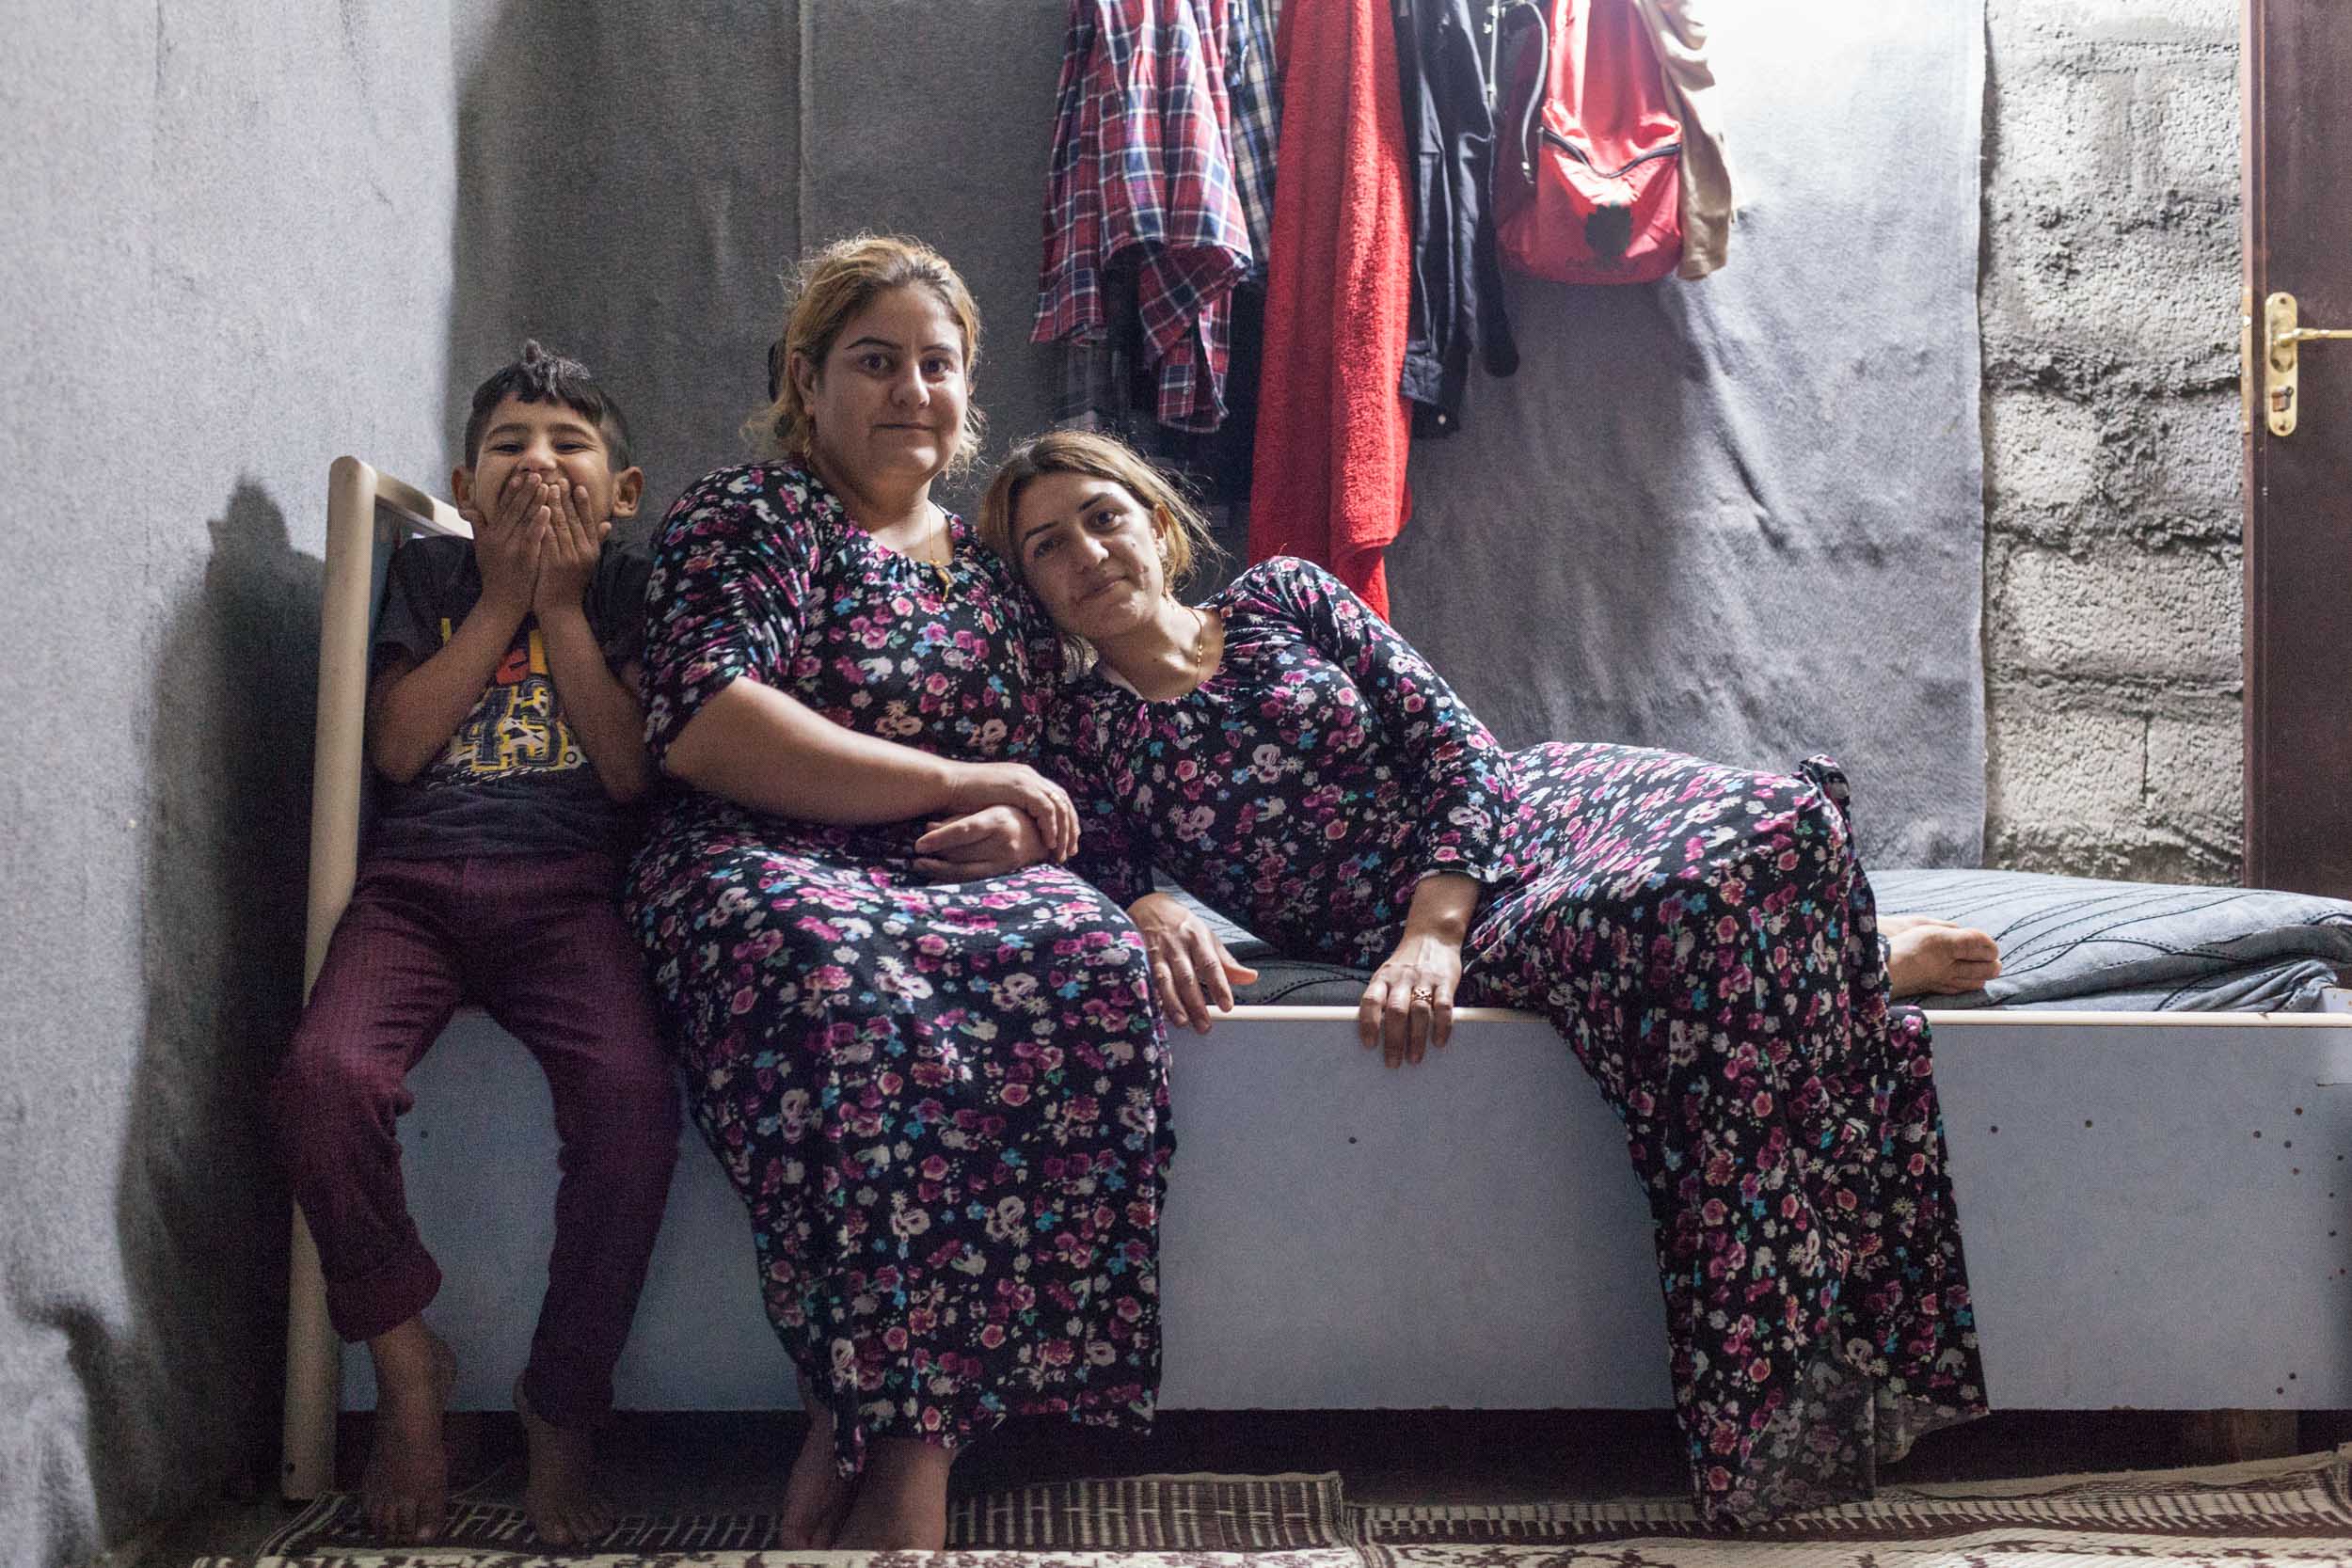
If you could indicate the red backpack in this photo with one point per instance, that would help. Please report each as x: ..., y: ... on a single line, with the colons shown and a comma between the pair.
x: 1588, y: 148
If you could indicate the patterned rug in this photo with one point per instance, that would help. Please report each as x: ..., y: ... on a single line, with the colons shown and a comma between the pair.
x: 2287, y: 1511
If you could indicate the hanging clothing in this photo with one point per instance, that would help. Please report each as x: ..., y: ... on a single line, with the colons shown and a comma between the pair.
x: 1679, y: 33
x: 1254, y: 123
x: 1457, y: 272
x: 1141, y: 160
x: 1108, y: 386
x: 1328, y: 477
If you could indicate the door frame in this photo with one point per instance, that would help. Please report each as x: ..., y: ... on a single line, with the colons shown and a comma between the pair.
x: 2297, y: 618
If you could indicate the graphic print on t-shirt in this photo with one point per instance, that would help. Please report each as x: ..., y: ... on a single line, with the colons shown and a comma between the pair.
x: 514, y: 729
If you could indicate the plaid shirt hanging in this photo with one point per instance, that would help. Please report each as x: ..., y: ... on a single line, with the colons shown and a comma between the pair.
x: 1140, y: 159
x: 1256, y: 115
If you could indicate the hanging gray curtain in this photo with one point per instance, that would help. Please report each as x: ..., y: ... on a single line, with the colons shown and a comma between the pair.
x: 1744, y: 516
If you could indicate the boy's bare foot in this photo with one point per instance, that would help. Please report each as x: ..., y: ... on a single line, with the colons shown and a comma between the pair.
x: 1928, y: 957
x: 560, y: 1495
x: 404, y: 1492
x: 901, y: 1502
x: 817, y: 1495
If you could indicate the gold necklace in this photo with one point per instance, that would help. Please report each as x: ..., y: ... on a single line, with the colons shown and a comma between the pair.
x: 943, y: 542
x: 1201, y: 645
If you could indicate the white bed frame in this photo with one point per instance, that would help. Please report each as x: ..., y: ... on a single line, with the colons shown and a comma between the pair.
x: 2152, y: 1202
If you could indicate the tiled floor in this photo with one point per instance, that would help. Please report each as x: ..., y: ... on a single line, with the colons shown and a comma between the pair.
x: 713, y: 1462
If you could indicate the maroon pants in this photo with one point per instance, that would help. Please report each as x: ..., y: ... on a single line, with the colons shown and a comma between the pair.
x: 539, y: 942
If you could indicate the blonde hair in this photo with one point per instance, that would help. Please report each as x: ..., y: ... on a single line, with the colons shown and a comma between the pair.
x: 829, y: 289
x: 1182, y: 532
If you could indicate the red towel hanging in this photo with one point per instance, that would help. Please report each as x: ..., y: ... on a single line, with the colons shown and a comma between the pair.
x: 1327, y: 478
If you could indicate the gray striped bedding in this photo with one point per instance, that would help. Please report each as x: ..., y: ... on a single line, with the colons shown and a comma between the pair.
x: 2066, y: 942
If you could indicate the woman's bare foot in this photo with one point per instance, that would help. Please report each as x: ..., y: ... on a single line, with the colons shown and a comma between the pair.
x: 1928, y: 957
x: 817, y: 1495
x: 901, y: 1502
x: 404, y: 1492
x: 561, y: 1495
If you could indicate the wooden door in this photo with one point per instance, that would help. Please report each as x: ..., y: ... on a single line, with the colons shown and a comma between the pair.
x: 2297, y: 82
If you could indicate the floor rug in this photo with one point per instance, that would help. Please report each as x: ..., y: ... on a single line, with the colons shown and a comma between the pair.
x: 2274, y: 1513
x: 1196, y: 1517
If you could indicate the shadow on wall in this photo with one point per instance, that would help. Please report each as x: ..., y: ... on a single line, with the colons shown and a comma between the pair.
x: 199, y: 1207
x: 627, y: 189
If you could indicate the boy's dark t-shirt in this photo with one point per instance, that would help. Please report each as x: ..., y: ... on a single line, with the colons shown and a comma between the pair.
x: 513, y: 780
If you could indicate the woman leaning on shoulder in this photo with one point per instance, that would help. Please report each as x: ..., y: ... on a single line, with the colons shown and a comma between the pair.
x: 1702, y: 937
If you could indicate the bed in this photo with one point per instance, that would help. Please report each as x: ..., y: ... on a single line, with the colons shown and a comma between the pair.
x: 2149, y: 1121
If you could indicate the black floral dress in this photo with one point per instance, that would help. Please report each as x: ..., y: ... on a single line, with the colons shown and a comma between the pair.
x: 1703, y: 937
x: 944, y: 1105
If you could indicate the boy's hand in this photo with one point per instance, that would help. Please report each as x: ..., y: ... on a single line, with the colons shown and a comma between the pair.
x: 567, y: 561
x: 508, y: 539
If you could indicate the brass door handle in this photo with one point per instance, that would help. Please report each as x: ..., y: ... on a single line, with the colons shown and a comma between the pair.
x: 2283, y: 340
x: 2304, y: 334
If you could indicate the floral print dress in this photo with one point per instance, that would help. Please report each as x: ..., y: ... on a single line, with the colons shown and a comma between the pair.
x: 1705, y: 939
x: 943, y: 1103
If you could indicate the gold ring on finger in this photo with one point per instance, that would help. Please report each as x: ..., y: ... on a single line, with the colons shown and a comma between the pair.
x: 1422, y: 993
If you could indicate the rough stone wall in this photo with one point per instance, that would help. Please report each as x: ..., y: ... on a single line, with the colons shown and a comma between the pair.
x: 2109, y: 294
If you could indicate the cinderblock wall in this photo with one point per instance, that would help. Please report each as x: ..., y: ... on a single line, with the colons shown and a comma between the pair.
x: 2109, y: 294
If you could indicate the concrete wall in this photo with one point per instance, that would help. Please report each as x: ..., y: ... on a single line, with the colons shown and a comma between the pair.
x: 2112, y: 567
x: 214, y: 211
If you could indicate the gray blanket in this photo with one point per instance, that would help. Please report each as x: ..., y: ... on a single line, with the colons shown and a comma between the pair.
x: 2082, y: 942
x: 1743, y: 517
x: 2069, y: 943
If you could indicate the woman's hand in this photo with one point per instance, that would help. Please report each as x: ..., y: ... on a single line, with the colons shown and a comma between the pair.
x: 979, y: 784
x: 986, y: 843
x: 1408, y: 1002
x: 1190, y: 967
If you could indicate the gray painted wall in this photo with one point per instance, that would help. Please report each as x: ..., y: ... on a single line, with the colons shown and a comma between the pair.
x: 214, y: 204
x: 197, y: 257
x: 627, y: 187
x: 957, y: 152
x: 1743, y: 518
x: 2109, y: 294
x: 650, y: 237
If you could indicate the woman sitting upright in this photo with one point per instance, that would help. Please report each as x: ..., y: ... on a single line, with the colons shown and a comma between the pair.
x: 1704, y: 938
x: 926, y: 1057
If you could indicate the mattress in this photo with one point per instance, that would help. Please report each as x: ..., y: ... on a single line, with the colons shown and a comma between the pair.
x: 2072, y: 942
x: 2086, y: 943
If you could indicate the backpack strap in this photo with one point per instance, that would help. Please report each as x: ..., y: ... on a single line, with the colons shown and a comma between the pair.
x: 1523, y: 33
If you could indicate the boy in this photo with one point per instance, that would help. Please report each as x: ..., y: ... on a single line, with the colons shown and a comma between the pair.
x: 503, y: 714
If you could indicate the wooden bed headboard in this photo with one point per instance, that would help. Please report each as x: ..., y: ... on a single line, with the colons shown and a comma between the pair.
x: 364, y: 509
